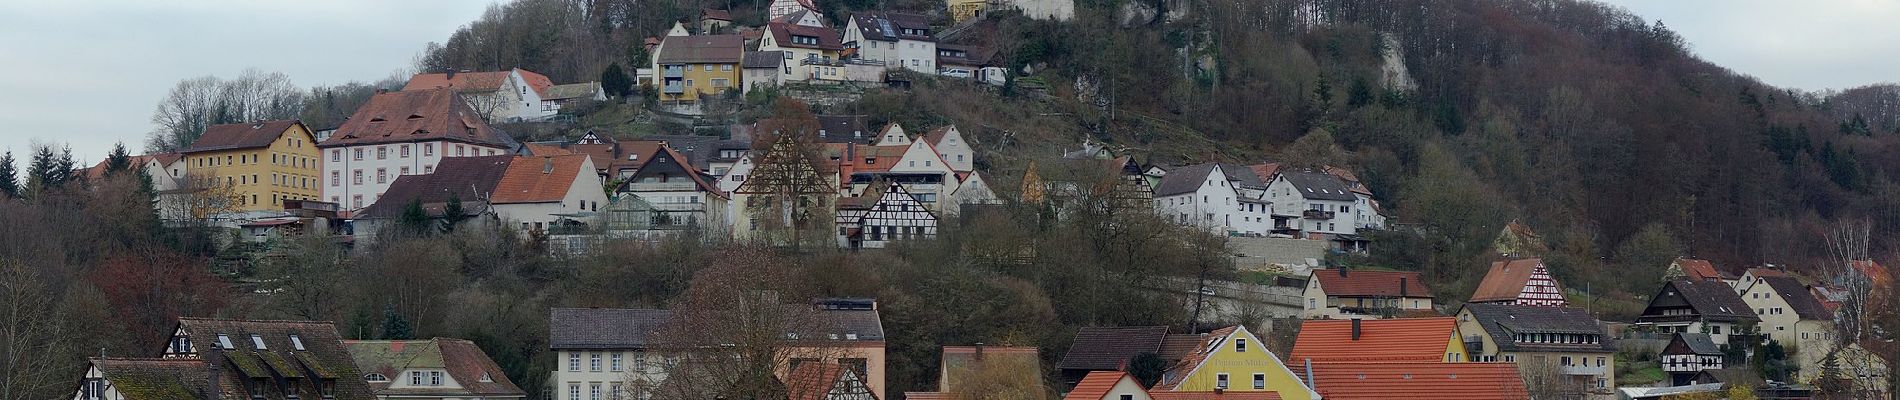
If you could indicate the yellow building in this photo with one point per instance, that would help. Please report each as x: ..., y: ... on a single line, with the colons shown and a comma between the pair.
x: 258, y: 164
x: 965, y: 9
x: 1234, y: 360
x: 694, y: 66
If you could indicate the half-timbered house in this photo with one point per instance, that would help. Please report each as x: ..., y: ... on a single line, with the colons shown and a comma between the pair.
x: 885, y: 215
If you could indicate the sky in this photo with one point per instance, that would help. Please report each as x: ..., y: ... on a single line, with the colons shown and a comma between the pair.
x: 89, y: 72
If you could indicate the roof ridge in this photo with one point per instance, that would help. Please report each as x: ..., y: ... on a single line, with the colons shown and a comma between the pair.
x: 256, y: 320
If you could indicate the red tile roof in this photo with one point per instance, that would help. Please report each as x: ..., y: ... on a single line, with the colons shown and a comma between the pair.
x: 1506, y: 280
x: 1096, y: 385
x: 1873, y: 270
x: 1371, y: 283
x: 1405, y: 339
x: 1765, y: 272
x: 782, y: 33
x: 720, y: 15
x: 812, y: 380
x: 1699, y: 269
x: 412, y: 116
x: 241, y: 136
x: 476, y: 81
x: 465, y: 363
x: 1419, y: 381
x: 1214, y: 395
x: 546, y: 149
x: 538, y: 179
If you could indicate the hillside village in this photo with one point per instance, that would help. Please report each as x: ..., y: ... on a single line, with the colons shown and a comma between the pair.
x: 740, y: 229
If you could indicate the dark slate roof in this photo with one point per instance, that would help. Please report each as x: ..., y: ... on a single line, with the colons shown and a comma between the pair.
x: 702, y: 49
x: 890, y: 27
x: 241, y: 135
x: 1317, y: 186
x: 1501, y: 321
x: 1709, y: 300
x: 1108, y: 348
x: 699, y: 150
x: 324, y: 355
x: 468, y: 179
x: 1242, y: 176
x: 844, y: 129
x: 763, y: 59
x: 1699, y: 343
x: 782, y: 33
x: 1184, y: 179
x: 1798, y: 297
x: 155, y: 379
x: 604, y: 328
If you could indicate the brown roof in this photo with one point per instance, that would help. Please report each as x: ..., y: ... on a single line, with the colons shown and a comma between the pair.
x: 1699, y: 269
x: 466, y: 363
x: 476, y: 81
x: 155, y: 378
x: 1874, y: 271
x: 1506, y: 280
x: 1419, y: 381
x: 1178, y: 345
x: 782, y: 33
x: 702, y: 49
x: 1401, y: 339
x: 546, y: 149
x: 1109, y: 348
x: 539, y: 179
x: 467, y: 179
x: 1798, y: 297
x: 813, y: 380
x: 413, y: 116
x: 713, y: 14
x: 324, y: 357
x: 241, y: 136
x: 1341, y: 282
x: 1203, y: 348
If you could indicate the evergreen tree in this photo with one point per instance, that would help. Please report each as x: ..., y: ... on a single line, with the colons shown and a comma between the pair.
x: 48, y: 170
x: 9, y: 177
x: 395, y: 327
x: 615, y: 81
x: 452, y: 213
x: 118, y: 160
x: 1147, y: 368
x: 414, y: 219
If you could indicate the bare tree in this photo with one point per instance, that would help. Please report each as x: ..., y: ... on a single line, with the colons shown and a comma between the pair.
x: 732, y: 334
x: 1546, y: 380
x: 33, y: 342
x: 304, y: 276
x: 790, y: 193
x: 999, y: 378
x: 184, y: 114
x: 199, y: 199
x: 198, y: 103
x: 1847, y: 243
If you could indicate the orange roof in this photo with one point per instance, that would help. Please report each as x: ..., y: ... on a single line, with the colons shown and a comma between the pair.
x: 1698, y: 269
x: 1096, y: 385
x: 1506, y: 280
x: 538, y: 179
x: 1341, y: 282
x: 1404, y: 339
x: 544, y: 149
x: 1214, y: 395
x: 1760, y: 272
x: 1418, y: 381
x: 476, y: 81
x: 1873, y: 270
x: 812, y: 380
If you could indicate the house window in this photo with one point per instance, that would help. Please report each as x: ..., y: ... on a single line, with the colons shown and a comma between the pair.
x: 1259, y: 381
x: 428, y: 149
x: 573, y: 362
x: 336, y: 155
x: 405, y: 171
x: 593, y: 362
x: 93, y: 389
x: 415, y: 378
x: 296, y: 342
x: 356, y: 154
x: 435, y: 378
x: 405, y: 151
x: 356, y: 201
x: 382, y: 175
x: 726, y: 68
x: 1220, y: 381
x: 258, y: 341
x: 1240, y: 345
x: 224, y: 342
x: 181, y: 345
x: 615, y: 366
x: 382, y: 152
x: 356, y: 177
x: 459, y: 151
x: 573, y: 391
x: 593, y: 391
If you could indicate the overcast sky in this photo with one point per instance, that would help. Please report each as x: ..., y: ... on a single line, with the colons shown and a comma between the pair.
x: 89, y: 72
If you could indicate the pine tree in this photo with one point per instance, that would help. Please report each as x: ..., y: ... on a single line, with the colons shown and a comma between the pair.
x: 414, y: 219
x: 395, y: 327
x: 9, y: 177
x: 615, y: 81
x: 452, y: 213
x: 41, y: 172
x: 118, y: 160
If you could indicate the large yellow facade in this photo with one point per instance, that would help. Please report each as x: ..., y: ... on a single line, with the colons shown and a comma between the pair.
x: 1239, y: 366
x: 703, y: 79
x: 261, y: 178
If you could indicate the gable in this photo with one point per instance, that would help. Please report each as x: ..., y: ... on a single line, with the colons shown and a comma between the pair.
x: 920, y: 157
x: 1222, y: 355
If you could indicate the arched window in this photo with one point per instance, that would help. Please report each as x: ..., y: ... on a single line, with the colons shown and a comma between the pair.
x: 375, y: 377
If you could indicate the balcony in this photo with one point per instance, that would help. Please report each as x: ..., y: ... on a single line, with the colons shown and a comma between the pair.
x: 674, y: 87
x: 1316, y: 214
x: 1582, y: 370
x: 660, y: 186
x: 673, y: 72
x: 1474, y: 344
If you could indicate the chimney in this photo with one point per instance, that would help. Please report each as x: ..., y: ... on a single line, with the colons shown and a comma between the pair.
x: 1355, y: 329
x: 1342, y: 272
x: 1402, y: 286
x: 979, y: 351
x: 1309, y: 374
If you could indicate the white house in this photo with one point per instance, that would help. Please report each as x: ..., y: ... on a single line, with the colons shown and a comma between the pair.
x: 899, y: 158
x: 950, y: 145
x: 1314, y: 201
x: 433, y: 369
x: 897, y: 40
x: 780, y: 8
x: 401, y: 133
x: 512, y: 95
x: 810, y: 47
x: 763, y: 69
x: 1790, y: 315
x: 1693, y: 306
x: 680, y: 195
x: 1208, y: 196
x: 883, y: 215
x: 536, y: 192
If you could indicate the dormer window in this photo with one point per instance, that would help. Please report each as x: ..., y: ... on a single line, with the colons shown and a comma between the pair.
x: 181, y: 345
x: 375, y: 377
x: 224, y: 342
x: 487, y: 378
x: 296, y: 342
x: 257, y: 341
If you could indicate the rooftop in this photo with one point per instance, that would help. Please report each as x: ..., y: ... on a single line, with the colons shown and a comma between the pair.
x: 1109, y: 348
x: 1401, y: 339
x: 1418, y: 381
x: 1362, y: 283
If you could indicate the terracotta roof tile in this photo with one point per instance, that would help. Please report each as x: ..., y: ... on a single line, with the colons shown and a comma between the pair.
x: 1203, y: 348
x: 1874, y: 271
x: 812, y: 380
x: 467, y: 364
x: 1341, y: 282
x: 412, y: 116
x: 1419, y: 381
x: 1095, y: 385
x: 1699, y: 269
x: 782, y: 33
x: 1405, y: 339
x: 1109, y: 348
x: 538, y: 179
x: 241, y: 136
x: 476, y: 81
x: 1506, y: 280
x: 545, y: 149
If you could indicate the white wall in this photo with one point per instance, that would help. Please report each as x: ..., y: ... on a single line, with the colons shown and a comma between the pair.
x: 1215, y: 205
x: 956, y: 151
x: 1287, y: 200
x: 342, y: 162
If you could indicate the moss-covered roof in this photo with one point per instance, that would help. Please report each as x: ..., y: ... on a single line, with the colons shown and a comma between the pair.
x: 154, y: 379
